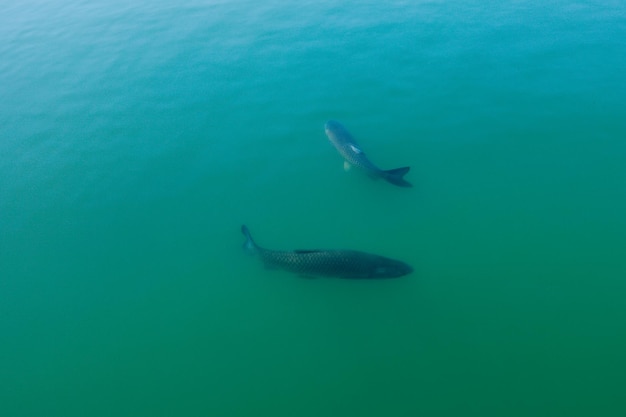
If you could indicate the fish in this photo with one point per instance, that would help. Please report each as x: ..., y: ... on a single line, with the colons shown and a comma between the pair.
x: 354, y: 155
x: 338, y: 263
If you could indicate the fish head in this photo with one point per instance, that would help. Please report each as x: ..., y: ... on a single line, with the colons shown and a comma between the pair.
x: 333, y: 125
x: 391, y: 269
x: 336, y: 133
x: 329, y: 129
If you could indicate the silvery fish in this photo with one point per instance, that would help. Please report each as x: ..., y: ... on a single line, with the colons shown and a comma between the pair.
x: 353, y: 155
x: 350, y: 264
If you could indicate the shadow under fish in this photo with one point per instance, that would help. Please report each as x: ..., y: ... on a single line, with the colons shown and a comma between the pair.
x: 349, y: 264
x: 353, y: 155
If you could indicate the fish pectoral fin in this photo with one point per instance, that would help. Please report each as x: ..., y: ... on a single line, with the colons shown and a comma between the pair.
x: 346, y: 166
x: 301, y: 251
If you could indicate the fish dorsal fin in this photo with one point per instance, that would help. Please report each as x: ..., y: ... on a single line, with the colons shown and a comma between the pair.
x: 355, y: 148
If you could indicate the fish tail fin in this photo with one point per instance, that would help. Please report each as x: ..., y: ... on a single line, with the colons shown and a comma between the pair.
x: 394, y: 176
x: 249, y: 244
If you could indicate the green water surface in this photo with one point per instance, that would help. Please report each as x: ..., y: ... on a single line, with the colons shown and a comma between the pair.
x: 137, y: 138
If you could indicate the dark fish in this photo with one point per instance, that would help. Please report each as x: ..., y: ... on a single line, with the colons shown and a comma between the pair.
x: 330, y: 263
x: 353, y: 155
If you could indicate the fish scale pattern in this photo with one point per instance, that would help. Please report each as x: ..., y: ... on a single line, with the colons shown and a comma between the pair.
x: 332, y: 263
x: 338, y: 263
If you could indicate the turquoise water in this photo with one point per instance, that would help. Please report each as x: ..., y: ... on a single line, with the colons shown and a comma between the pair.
x: 136, y: 139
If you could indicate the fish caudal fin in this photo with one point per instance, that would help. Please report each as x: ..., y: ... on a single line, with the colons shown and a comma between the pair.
x: 394, y: 176
x: 249, y: 244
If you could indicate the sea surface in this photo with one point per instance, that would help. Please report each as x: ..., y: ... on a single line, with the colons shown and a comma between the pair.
x: 137, y: 137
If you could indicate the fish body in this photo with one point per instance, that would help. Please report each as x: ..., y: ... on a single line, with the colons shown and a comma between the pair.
x: 350, y: 264
x: 354, y: 155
